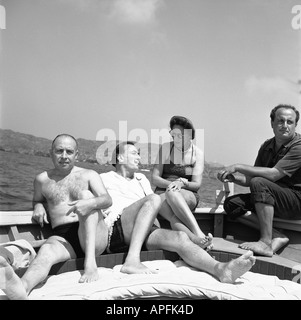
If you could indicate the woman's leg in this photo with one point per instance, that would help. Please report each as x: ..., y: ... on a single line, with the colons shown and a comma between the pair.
x: 176, y: 224
x: 181, y: 203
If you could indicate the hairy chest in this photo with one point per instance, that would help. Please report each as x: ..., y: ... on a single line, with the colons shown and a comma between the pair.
x: 67, y: 189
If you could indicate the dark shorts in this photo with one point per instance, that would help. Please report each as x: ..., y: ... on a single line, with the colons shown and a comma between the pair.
x: 117, y: 242
x: 196, y: 195
x: 69, y: 232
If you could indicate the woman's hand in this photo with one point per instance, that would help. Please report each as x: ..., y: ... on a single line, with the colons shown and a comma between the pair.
x: 176, y: 185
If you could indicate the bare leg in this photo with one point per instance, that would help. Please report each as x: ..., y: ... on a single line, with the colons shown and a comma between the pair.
x: 181, y: 209
x: 278, y: 239
x: 137, y: 220
x: 10, y: 283
x: 54, y: 250
x: 176, y: 223
x: 193, y: 255
x: 263, y: 246
x: 93, y: 235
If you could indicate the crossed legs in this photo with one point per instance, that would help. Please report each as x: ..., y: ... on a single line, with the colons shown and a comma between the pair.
x: 176, y: 208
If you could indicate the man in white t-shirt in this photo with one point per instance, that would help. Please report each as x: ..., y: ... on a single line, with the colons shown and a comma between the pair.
x: 133, y: 214
x: 131, y: 217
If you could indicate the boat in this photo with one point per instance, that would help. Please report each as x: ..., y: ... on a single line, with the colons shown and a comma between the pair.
x: 283, y: 266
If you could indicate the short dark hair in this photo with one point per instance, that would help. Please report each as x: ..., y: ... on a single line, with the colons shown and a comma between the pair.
x: 64, y: 135
x: 183, y: 122
x: 119, y: 149
x: 285, y: 106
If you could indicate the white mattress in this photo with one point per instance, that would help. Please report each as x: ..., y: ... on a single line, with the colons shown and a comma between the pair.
x: 174, y: 280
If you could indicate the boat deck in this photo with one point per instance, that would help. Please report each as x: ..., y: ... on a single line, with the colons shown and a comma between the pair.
x: 285, y: 264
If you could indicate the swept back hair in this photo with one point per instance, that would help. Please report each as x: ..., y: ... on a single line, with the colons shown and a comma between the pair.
x: 183, y: 122
x: 118, y: 150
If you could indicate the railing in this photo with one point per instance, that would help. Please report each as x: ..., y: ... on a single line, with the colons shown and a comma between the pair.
x: 10, y: 220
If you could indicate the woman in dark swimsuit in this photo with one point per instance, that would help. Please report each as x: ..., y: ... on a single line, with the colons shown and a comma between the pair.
x: 177, y: 176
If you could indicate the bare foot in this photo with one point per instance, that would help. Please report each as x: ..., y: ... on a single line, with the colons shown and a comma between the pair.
x: 228, y: 272
x: 204, y: 242
x: 279, y: 240
x: 90, y: 275
x: 10, y: 283
x: 258, y: 247
x: 209, y: 242
x: 136, y: 268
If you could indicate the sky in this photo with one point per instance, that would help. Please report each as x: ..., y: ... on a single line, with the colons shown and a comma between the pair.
x: 85, y: 66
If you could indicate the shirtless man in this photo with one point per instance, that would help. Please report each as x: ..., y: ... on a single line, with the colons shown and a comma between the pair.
x: 130, y: 191
x: 74, y: 197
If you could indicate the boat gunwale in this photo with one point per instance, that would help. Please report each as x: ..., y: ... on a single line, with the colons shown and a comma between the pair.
x: 284, y: 269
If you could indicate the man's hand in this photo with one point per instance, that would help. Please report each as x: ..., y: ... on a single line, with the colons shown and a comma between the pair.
x: 225, y: 176
x: 40, y: 216
x: 80, y: 207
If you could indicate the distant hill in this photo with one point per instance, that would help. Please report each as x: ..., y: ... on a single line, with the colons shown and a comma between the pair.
x: 89, y: 150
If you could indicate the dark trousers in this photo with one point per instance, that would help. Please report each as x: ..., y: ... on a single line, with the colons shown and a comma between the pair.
x: 286, y: 201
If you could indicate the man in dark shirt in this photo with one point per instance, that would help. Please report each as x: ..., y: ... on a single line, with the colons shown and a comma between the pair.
x: 274, y: 181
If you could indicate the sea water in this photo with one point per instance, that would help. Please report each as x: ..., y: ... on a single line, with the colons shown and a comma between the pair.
x: 17, y: 173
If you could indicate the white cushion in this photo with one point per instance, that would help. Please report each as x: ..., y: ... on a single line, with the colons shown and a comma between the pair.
x: 173, y: 280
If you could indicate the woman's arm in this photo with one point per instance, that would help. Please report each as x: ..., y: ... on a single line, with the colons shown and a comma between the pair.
x: 197, y: 172
x: 156, y: 176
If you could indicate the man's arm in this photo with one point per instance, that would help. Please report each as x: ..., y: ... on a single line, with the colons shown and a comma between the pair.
x: 39, y: 211
x: 248, y: 172
x: 101, y: 199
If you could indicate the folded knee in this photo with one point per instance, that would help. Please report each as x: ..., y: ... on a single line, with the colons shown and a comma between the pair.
x: 171, y: 196
x: 228, y: 205
x: 154, y: 199
x: 47, y: 254
x: 258, y: 183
